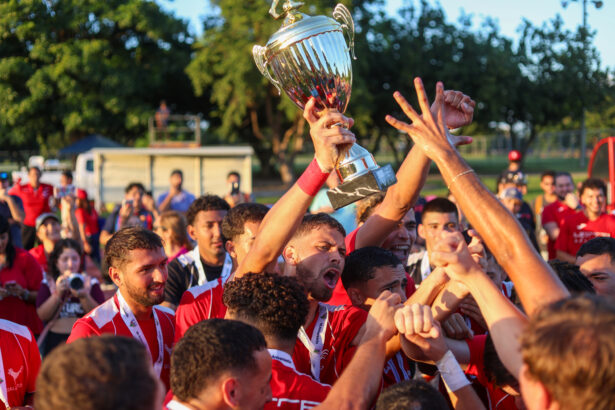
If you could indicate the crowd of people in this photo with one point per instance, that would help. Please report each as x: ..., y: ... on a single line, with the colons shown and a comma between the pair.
x: 474, y: 301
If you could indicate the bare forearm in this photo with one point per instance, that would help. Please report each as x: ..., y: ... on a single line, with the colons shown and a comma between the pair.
x: 566, y: 257
x: 535, y: 282
x: 47, y: 310
x: 17, y: 214
x: 447, y: 301
x: 429, y: 289
x: 164, y: 205
x: 466, y: 399
x: 398, y: 200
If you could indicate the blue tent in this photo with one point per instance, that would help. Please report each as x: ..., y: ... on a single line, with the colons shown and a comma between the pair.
x: 87, y: 143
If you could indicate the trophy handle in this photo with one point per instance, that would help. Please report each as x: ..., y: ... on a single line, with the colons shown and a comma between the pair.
x: 259, y: 58
x: 340, y: 12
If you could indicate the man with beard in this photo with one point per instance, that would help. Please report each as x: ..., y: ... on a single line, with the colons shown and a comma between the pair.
x: 553, y: 215
x: 589, y: 223
x: 138, y: 266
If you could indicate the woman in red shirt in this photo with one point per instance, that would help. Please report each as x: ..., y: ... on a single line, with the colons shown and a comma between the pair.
x: 87, y: 218
x: 65, y: 294
x: 20, y: 280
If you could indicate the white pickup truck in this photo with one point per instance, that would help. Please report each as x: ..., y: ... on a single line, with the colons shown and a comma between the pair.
x: 105, y: 172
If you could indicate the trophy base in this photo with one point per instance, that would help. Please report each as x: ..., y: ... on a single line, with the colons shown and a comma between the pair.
x: 370, y: 183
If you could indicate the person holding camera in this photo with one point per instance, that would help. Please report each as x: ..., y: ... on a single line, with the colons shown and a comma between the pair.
x: 65, y: 294
x: 234, y: 195
x: 131, y: 212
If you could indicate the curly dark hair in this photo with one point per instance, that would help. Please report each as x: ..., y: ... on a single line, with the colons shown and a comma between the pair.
x: 411, y: 394
x: 571, y: 277
x: 98, y: 373
x: 234, y: 222
x: 126, y: 240
x: 314, y: 221
x: 277, y: 305
x: 210, y: 348
x: 205, y: 203
x: 52, y: 261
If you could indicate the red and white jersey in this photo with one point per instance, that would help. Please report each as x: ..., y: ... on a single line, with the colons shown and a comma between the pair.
x: 555, y: 212
x: 199, y: 303
x: 108, y: 318
x: 578, y: 229
x: 291, y: 390
x: 397, y: 369
x: 322, y: 346
x: 20, y: 362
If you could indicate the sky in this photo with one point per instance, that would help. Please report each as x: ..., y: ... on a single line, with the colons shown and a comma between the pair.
x: 509, y: 15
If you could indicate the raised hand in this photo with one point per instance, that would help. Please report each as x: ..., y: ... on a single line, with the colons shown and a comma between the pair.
x: 380, y: 321
x: 452, y: 254
x: 458, y: 109
x: 330, y: 134
x: 455, y: 327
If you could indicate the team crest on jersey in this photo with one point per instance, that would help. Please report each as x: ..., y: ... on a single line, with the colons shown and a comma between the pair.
x: 324, y: 353
x: 15, y: 374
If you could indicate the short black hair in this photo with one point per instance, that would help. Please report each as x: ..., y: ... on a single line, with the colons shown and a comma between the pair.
x: 411, y: 395
x: 68, y: 174
x: 234, y: 222
x: 132, y: 185
x: 548, y: 173
x: 593, y: 183
x: 440, y: 206
x: 177, y: 172
x: 598, y: 246
x: 210, y: 348
x: 563, y: 174
x: 571, y: 277
x: 361, y: 264
x: 233, y: 173
x: 108, y: 372
x: 129, y: 239
x: 205, y: 203
x: 275, y: 304
x: 314, y: 221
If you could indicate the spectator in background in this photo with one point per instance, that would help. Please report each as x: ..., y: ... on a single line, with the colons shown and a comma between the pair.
x: 512, y: 199
x: 66, y: 293
x: 36, y: 198
x: 11, y: 208
x: 176, y: 198
x: 518, y: 180
x: 66, y: 178
x: 346, y: 215
x: 235, y: 196
x: 20, y: 280
x: 100, y: 373
x: 48, y: 232
x: 162, y: 115
x: 547, y: 184
x: 590, y: 222
x: 553, y: 215
x: 171, y: 227
x: 89, y: 231
x: 129, y: 213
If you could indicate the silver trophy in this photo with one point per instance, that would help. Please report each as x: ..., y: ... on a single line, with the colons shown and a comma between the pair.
x: 308, y: 57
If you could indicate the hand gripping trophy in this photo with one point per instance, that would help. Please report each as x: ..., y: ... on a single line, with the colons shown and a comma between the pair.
x: 308, y: 57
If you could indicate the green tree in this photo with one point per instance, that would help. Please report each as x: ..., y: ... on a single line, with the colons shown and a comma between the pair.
x: 73, y: 67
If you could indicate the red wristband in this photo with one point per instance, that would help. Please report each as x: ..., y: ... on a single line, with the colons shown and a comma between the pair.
x: 312, y: 179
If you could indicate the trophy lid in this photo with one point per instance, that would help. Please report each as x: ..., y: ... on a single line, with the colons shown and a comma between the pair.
x: 301, y: 27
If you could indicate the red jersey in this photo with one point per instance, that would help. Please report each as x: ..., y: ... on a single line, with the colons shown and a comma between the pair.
x: 340, y: 296
x: 291, y: 390
x: 90, y: 220
x: 35, y: 201
x: 578, y: 229
x: 19, y: 364
x: 498, y: 399
x: 107, y: 318
x: 322, y: 345
x: 397, y: 369
x: 555, y: 212
x: 199, y: 303
x: 28, y: 274
x: 38, y: 253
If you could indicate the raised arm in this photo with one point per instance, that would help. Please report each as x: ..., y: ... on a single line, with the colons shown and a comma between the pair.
x: 534, y: 281
x: 411, y: 176
x: 282, y: 220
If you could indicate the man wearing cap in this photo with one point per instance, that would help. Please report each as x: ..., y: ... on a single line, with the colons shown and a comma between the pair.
x: 518, y: 180
x: 512, y: 199
x: 176, y: 198
x: 11, y: 208
x: 35, y: 197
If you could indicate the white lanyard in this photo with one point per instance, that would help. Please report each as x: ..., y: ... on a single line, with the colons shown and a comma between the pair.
x: 314, y: 346
x: 283, y: 357
x: 3, y: 394
x: 174, y: 405
x: 226, y: 269
x: 131, y: 322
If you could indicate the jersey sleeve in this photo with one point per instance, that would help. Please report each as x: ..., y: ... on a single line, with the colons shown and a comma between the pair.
x: 82, y: 328
x: 548, y: 214
x: 176, y: 285
x: 32, y: 271
x: 188, y: 313
x: 561, y: 243
x: 477, y: 351
x: 34, y: 364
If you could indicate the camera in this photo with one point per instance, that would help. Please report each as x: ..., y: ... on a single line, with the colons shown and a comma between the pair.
x: 76, y: 281
x: 234, y: 188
